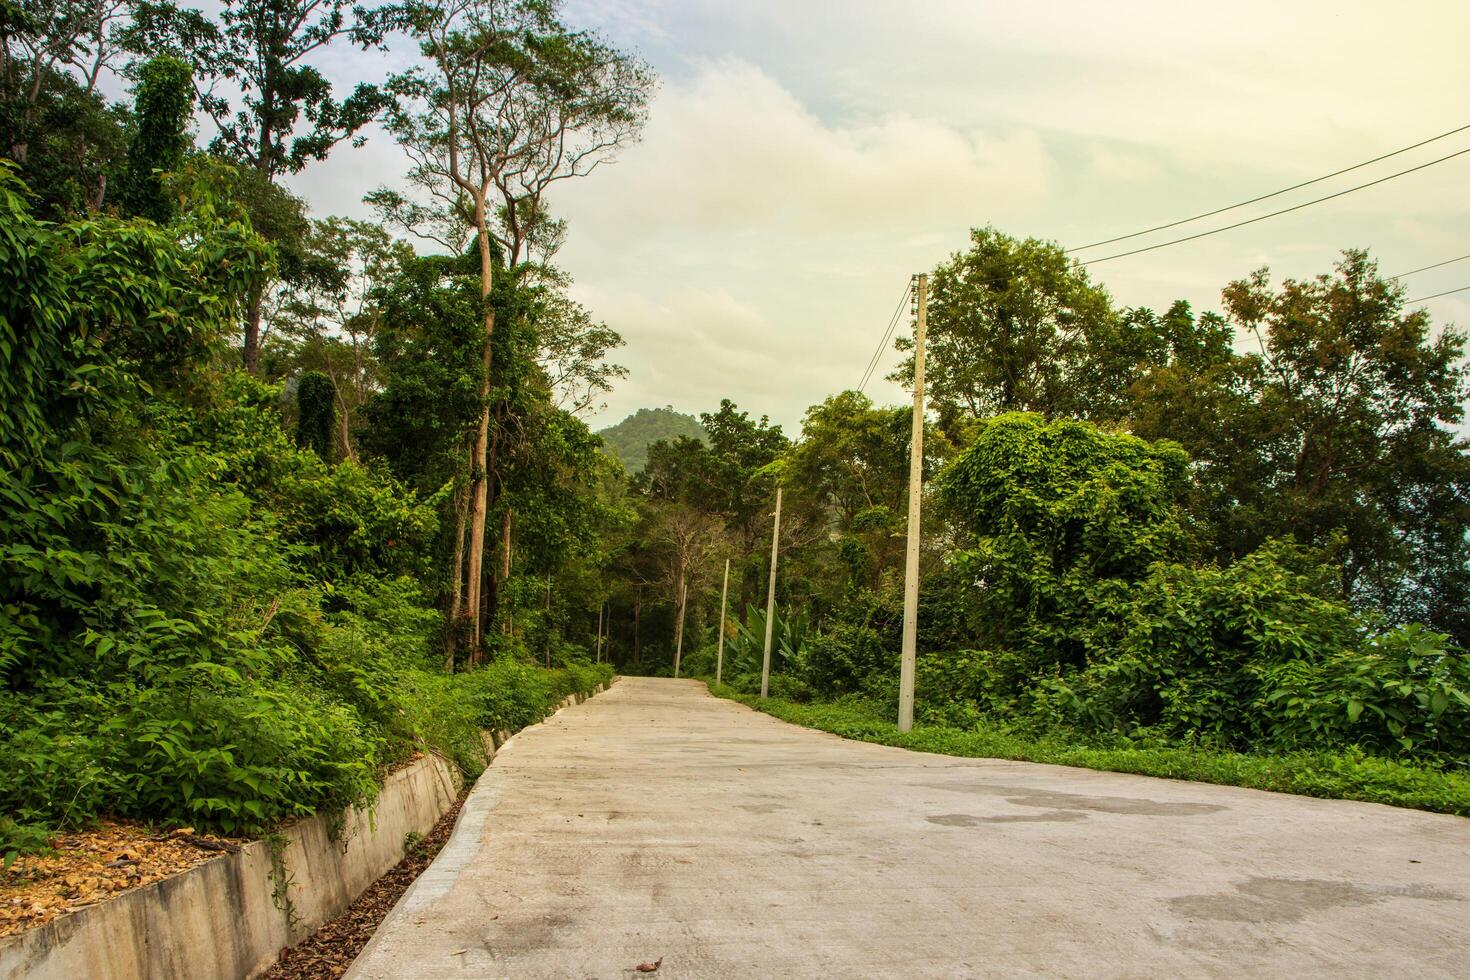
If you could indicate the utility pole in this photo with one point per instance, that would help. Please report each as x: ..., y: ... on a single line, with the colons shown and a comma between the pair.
x: 720, y: 657
x: 683, y: 604
x: 599, y: 634
x: 771, y: 599
x: 916, y: 493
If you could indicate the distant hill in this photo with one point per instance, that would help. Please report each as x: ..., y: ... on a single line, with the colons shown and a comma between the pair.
x: 629, y: 439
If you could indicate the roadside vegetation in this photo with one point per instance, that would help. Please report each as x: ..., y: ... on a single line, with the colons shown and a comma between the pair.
x: 285, y: 500
x: 240, y: 447
x: 1148, y: 546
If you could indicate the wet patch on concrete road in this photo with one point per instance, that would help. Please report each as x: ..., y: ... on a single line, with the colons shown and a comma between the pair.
x: 1052, y: 800
x: 969, y: 820
x: 1292, y: 899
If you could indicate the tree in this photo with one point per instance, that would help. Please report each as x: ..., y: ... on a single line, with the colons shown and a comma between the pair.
x: 165, y: 103
x: 1342, y: 422
x: 1011, y: 324
x: 53, y: 120
x: 316, y: 413
x: 688, y: 538
x: 512, y: 102
x: 573, y: 349
x: 285, y: 115
x: 330, y: 321
x: 1061, y: 519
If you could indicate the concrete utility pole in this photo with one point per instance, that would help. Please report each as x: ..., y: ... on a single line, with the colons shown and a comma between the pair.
x: 916, y: 492
x: 771, y: 599
x: 720, y: 657
x: 683, y: 604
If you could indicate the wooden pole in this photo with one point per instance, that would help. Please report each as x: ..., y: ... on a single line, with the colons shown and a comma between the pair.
x: 771, y: 599
x: 720, y: 657
x: 916, y: 492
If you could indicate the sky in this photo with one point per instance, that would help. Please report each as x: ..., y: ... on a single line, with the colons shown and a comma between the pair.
x: 803, y: 158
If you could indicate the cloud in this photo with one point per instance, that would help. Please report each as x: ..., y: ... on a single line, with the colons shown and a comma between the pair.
x: 1115, y: 165
x: 732, y: 150
x: 690, y: 347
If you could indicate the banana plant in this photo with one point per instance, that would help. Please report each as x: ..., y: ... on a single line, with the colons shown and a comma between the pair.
x: 745, y: 643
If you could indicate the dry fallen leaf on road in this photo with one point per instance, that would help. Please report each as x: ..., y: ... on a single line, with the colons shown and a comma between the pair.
x: 651, y: 967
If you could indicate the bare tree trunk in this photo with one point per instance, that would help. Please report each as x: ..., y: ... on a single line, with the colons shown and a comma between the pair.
x: 504, y: 560
x: 680, y: 595
x: 344, y: 426
x: 461, y: 514
x: 637, y: 609
x: 479, y: 458
x: 252, y: 330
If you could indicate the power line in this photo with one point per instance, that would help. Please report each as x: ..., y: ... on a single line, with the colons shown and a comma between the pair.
x: 1273, y: 214
x: 1263, y: 197
x: 893, y: 321
x: 1447, y: 292
x: 887, y: 335
x: 1426, y: 268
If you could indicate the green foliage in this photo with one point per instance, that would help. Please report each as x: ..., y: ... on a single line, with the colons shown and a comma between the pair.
x: 164, y: 107
x: 1343, y: 428
x: 316, y: 413
x: 629, y: 439
x: 1070, y: 610
x: 745, y: 641
x: 1015, y: 325
x: 1065, y: 519
x: 286, y: 115
x: 199, y: 622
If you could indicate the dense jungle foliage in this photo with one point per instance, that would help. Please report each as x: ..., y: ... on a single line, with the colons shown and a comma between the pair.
x: 284, y: 500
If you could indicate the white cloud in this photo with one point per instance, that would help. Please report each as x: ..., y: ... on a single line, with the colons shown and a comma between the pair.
x: 732, y: 151
x: 1115, y: 165
x: 802, y: 159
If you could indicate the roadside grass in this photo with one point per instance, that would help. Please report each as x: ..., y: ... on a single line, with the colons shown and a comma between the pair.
x: 1334, y: 776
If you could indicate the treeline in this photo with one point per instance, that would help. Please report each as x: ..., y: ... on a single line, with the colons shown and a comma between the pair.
x: 282, y: 500
x: 1245, y: 530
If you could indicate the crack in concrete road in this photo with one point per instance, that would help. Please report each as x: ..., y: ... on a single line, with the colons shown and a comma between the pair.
x: 655, y: 821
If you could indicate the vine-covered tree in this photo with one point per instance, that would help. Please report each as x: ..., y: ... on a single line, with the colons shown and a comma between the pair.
x: 164, y: 107
x: 316, y: 413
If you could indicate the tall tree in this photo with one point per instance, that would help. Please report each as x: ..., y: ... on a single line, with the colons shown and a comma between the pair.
x: 1339, y: 429
x: 511, y: 102
x: 331, y: 321
x: 53, y: 120
x: 1011, y: 324
x: 272, y: 109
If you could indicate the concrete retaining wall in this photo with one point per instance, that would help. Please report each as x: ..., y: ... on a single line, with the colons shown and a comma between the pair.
x: 225, y: 920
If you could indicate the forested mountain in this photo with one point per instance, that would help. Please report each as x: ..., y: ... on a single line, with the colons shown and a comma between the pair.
x: 629, y: 439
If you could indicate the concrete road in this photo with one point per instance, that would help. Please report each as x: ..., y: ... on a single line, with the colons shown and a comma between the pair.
x: 655, y: 822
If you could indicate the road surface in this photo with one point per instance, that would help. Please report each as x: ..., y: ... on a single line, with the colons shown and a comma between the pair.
x: 655, y: 822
